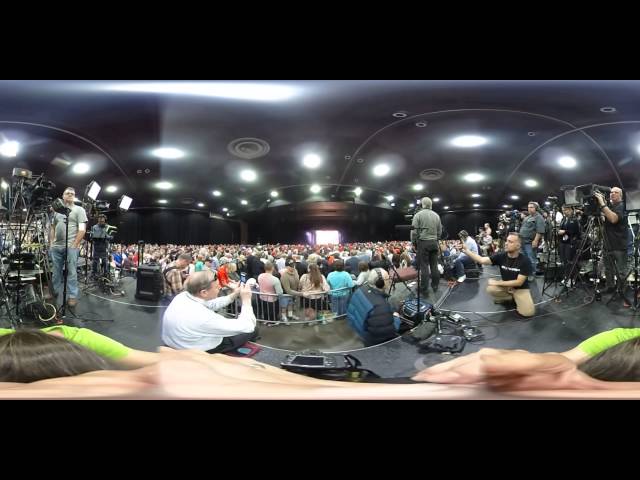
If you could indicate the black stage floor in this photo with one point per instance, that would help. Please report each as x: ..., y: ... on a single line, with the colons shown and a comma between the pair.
x: 557, y: 326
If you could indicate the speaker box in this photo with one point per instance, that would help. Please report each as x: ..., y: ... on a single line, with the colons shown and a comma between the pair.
x: 149, y: 284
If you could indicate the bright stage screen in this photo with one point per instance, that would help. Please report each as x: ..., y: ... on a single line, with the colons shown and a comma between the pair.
x: 327, y: 236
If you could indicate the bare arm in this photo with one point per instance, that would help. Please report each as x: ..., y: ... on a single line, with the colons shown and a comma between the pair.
x: 82, y: 227
x: 475, y: 257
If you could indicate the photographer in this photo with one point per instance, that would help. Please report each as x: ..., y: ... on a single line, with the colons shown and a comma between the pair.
x: 568, y: 236
x: 464, y: 261
x: 531, y: 233
x: 427, y: 230
x: 100, y: 235
x: 77, y: 221
x: 615, y: 238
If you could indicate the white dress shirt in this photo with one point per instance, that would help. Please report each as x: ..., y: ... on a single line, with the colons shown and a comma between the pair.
x: 191, y: 323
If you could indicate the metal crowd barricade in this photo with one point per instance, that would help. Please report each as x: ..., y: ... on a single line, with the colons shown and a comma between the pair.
x: 310, y: 309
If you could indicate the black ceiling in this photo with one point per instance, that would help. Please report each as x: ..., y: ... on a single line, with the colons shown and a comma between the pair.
x: 352, y: 125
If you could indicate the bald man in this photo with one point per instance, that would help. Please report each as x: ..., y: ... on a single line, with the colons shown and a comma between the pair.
x: 615, y: 238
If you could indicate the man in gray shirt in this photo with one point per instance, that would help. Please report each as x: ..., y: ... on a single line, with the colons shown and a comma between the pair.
x: 531, y: 233
x: 77, y: 220
x: 426, y: 232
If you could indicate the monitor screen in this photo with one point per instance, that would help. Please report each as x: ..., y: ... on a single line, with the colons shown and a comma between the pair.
x: 304, y: 360
x: 324, y: 237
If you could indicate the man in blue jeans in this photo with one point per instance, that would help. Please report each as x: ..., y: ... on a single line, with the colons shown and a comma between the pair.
x: 77, y: 220
x: 531, y: 233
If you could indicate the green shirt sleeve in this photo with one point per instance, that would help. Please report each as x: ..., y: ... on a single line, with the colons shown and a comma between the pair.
x: 605, y: 340
x: 103, y: 346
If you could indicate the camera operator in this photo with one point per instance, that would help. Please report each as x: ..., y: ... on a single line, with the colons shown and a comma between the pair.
x: 502, y: 235
x: 531, y: 232
x: 100, y: 236
x: 569, y: 236
x: 77, y: 220
x: 615, y: 237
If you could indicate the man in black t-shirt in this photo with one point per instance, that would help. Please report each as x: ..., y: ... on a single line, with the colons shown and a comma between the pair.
x: 615, y: 238
x: 515, y: 268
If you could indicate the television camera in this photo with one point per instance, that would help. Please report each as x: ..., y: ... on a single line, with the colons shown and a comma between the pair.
x: 585, y: 196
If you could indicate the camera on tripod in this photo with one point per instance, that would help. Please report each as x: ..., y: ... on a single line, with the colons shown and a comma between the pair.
x: 37, y: 191
x: 585, y: 195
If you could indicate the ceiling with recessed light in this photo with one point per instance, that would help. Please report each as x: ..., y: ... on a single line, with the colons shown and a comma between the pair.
x: 472, y: 144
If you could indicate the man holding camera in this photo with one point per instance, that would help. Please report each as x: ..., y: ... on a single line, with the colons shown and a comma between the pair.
x: 615, y: 238
x: 464, y: 261
x: 101, y: 235
x: 515, y: 268
x: 531, y: 233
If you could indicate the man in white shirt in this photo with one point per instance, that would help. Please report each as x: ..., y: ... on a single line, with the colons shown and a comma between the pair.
x: 464, y: 261
x: 190, y: 321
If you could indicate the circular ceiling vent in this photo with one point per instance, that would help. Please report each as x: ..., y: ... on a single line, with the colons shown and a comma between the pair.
x: 248, y: 148
x: 187, y: 201
x: 431, y: 174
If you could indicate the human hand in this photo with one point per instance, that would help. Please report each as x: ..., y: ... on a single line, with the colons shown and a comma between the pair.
x: 245, y: 293
x: 534, y: 244
x: 600, y: 197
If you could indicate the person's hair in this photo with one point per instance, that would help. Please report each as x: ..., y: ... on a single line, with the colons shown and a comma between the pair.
x: 315, y: 275
x: 70, y: 189
x: 30, y: 355
x: 200, y: 281
x: 426, y: 202
x: 102, y: 215
x: 463, y: 233
x: 517, y: 235
x: 535, y: 204
x: 363, y: 267
x: 268, y: 266
x: 338, y: 265
x: 185, y: 256
x: 620, y: 363
x: 372, y: 278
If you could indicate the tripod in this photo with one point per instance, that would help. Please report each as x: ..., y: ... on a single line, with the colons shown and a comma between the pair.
x: 550, y: 274
x: 635, y: 269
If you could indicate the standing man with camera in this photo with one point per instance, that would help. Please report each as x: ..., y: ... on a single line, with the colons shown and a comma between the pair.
x: 427, y: 229
x: 615, y: 238
x: 100, y: 236
x: 77, y: 219
x: 531, y: 233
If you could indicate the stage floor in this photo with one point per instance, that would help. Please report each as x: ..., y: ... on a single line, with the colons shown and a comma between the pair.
x: 557, y: 326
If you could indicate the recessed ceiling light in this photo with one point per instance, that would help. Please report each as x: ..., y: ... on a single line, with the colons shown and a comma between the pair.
x: 567, y: 162
x: 274, y: 194
x: 248, y: 175
x: 237, y: 91
x: 446, y: 207
x: 418, y: 202
x: 244, y: 202
x: 515, y: 197
x: 228, y: 214
x: 530, y: 183
x: 201, y: 204
x: 468, y: 141
x: 547, y: 203
x: 421, y: 124
x: 311, y: 160
x: 9, y: 149
x: 381, y: 170
x: 393, y: 204
x: 315, y: 188
x: 531, y: 134
x: 608, y: 110
x: 475, y: 195
x: 168, y: 153
x: 476, y: 205
x: 357, y: 191
x: 217, y: 193
x: 225, y: 209
x: 418, y: 186
x: 389, y: 198
x: 162, y: 201
x: 4, y: 185
x: 164, y: 185
x: 474, y: 177
x: 400, y: 114
x: 436, y: 199
x: 111, y: 188
x: 80, y: 168
x: 506, y: 206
